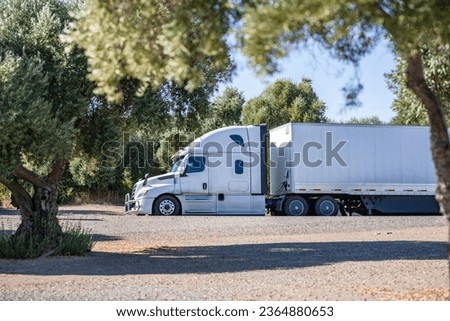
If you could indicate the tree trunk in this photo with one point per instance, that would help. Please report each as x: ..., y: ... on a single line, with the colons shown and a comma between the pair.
x: 39, y: 218
x: 39, y: 212
x: 440, y: 142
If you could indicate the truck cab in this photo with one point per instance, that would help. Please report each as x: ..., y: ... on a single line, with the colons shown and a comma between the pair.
x: 221, y: 172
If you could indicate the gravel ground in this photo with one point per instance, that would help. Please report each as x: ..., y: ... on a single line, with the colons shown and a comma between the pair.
x: 237, y: 258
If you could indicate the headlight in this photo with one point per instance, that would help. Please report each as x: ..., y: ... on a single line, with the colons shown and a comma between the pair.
x: 144, y: 193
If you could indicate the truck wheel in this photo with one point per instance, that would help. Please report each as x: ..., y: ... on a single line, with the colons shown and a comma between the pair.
x: 167, y: 205
x: 296, y: 206
x: 326, y: 206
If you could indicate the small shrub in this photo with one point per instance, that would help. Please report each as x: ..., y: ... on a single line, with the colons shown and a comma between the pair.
x: 5, y: 246
x: 17, y: 247
x: 74, y: 241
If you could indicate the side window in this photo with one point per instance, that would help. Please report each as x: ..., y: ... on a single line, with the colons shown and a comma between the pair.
x: 196, y: 164
x: 239, y: 167
x: 237, y: 139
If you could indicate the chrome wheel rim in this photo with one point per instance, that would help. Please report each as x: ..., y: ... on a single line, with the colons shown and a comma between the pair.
x: 167, y: 207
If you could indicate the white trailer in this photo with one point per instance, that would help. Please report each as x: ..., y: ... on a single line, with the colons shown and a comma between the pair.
x: 363, y: 168
x: 318, y: 169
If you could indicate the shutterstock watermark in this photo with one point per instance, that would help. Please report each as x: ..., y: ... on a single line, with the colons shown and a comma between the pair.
x: 142, y: 154
x: 331, y: 152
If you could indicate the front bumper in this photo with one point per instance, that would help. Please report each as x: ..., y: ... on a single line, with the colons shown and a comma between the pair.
x: 129, y: 204
x: 138, y: 206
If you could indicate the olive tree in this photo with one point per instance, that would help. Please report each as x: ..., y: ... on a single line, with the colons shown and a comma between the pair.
x: 43, y: 93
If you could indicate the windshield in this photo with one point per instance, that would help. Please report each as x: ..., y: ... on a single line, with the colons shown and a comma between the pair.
x: 175, y: 166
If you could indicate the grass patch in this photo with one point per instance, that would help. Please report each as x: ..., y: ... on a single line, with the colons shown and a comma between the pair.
x: 74, y: 241
x: 18, y: 247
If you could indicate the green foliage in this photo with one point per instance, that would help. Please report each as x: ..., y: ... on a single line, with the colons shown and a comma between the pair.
x: 192, y: 115
x: 374, y: 120
x: 151, y: 113
x: 283, y: 102
x: 5, y: 194
x: 164, y: 120
x: 42, y: 88
x: 153, y: 41
x: 18, y: 248
x: 349, y: 29
x: 28, y: 127
x: 83, y: 169
x: 74, y: 241
x: 139, y: 155
x: 225, y: 110
x: 408, y: 108
x: 156, y: 41
x: 118, y: 142
x: 172, y: 141
x: 187, y: 107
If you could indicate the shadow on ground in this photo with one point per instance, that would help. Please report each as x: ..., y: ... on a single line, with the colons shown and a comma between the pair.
x: 9, y: 211
x: 103, y: 237
x: 227, y: 258
x: 64, y: 212
x: 6, y: 232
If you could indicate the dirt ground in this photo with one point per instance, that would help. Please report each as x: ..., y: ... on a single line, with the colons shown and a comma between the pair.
x: 237, y: 258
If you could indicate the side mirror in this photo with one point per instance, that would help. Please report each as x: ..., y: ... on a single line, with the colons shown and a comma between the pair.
x: 185, y: 169
x: 145, y: 179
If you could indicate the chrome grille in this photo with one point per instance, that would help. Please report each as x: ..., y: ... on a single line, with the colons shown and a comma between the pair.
x: 133, y: 192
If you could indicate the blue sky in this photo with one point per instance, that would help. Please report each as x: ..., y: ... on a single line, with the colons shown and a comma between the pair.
x: 328, y: 77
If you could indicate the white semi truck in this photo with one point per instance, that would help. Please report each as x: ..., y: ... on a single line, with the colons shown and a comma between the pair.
x: 315, y: 169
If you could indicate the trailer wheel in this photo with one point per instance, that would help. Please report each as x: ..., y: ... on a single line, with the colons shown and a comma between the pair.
x: 296, y: 206
x: 167, y: 205
x: 326, y: 206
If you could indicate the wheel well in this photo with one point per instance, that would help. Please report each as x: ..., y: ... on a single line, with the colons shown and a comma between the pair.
x: 166, y: 194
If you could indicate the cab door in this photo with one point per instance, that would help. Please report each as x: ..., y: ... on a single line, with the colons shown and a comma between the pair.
x: 230, y: 183
x: 194, y: 186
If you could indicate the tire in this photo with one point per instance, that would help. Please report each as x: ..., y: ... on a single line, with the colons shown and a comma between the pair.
x: 167, y: 205
x: 295, y: 206
x: 326, y: 206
